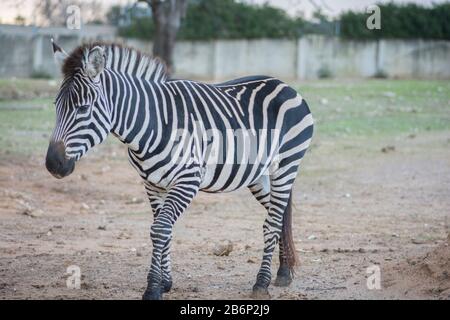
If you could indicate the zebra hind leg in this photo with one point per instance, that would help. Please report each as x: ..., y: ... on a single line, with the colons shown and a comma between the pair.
x: 277, y: 230
x: 261, y: 191
x: 285, y: 271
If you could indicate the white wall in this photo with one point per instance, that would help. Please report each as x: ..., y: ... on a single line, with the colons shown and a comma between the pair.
x: 25, y: 49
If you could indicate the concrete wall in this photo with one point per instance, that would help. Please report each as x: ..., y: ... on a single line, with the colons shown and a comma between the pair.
x: 397, y: 58
x: 24, y: 49
x: 27, y: 49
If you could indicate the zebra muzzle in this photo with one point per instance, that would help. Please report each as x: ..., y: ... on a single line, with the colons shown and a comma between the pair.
x: 56, y: 161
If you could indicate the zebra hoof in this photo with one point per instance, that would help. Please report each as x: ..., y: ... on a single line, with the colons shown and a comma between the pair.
x: 166, y: 286
x: 284, y: 277
x: 260, y: 293
x: 152, y: 295
x: 283, y: 281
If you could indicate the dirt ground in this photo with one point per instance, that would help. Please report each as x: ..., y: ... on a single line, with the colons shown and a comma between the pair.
x: 353, y: 209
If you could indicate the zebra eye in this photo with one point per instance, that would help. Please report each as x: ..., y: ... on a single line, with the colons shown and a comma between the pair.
x: 83, y: 108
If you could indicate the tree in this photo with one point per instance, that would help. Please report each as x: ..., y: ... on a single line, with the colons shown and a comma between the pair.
x: 20, y: 20
x: 167, y: 15
x: 409, y: 21
x: 221, y: 19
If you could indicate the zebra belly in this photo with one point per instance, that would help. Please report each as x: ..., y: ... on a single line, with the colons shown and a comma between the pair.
x: 230, y: 177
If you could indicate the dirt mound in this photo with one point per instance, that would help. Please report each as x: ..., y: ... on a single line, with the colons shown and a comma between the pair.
x: 426, y: 275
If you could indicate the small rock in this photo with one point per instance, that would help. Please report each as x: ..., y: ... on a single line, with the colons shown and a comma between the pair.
x: 84, y: 206
x: 223, y: 249
x: 135, y: 201
x: 33, y: 213
x: 362, y: 250
x: 251, y: 261
x: 312, y: 237
x: 49, y: 234
x: 388, y: 149
x: 123, y: 235
x: 133, y: 250
x: 102, y: 227
x: 417, y: 241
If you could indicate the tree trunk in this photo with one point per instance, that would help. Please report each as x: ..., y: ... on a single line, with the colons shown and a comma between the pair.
x: 167, y: 15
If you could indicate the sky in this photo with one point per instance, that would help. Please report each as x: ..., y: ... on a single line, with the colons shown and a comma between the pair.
x: 9, y: 9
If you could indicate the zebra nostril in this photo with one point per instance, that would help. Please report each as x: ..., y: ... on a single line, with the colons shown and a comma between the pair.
x: 55, y: 159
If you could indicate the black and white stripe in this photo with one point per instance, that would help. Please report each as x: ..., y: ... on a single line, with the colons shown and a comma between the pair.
x: 186, y: 136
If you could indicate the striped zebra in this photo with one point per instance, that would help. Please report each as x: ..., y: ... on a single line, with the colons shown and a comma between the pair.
x: 183, y: 137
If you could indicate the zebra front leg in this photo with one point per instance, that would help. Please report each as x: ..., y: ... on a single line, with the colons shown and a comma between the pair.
x: 161, y: 232
x: 156, y: 196
x: 166, y: 268
x: 176, y: 201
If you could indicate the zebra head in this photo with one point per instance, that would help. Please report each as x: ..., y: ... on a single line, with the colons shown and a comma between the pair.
x: 82, y: 113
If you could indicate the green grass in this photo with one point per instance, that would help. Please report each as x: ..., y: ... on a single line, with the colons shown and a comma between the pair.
x: 20, y: 89
x: 378, y: 108
x: 343, y: 111
x: 25, y: 126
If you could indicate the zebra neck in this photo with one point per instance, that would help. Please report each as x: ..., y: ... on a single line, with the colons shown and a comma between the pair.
x: 134, y: 109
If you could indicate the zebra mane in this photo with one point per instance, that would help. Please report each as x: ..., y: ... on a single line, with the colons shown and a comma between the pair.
x: 119, y: 58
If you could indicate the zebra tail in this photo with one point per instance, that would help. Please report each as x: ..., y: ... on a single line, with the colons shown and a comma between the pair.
x: 288, y: 242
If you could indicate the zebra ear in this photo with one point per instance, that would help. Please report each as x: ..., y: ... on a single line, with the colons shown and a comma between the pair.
x: 58, y: 53
x: 95, y: 61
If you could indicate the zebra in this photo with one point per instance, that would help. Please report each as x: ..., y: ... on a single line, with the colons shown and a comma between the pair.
x: 180, y: 139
